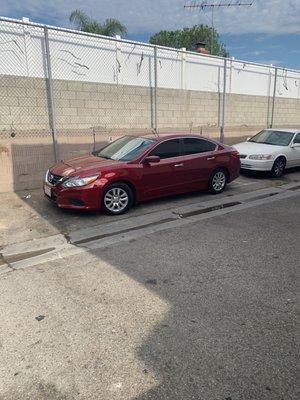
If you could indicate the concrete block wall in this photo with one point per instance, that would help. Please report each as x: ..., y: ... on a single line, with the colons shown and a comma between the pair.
x: 24, y: 107
x: 287, y: 111
x: 243, y: 110
x: 112, y: 110
x: 24, y: 104
x: 82, y: 105
x: 182, y: 109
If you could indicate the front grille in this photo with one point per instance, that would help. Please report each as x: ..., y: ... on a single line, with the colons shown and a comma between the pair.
x: 243, y: 155
x: 247, y: 166
x: 54, y: 179
x: 77, y: 202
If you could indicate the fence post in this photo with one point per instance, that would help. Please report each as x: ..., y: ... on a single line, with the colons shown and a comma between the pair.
x: 155, y: 89
x: 118, y: 57
x: 224, y: 102
x: 269, y: 97
x: 183, y: 64
x: 273, y: 100
x: 27, y: 40
x: 51, y: 98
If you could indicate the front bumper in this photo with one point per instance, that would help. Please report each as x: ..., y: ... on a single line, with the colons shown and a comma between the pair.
x: 256, y: 165
x: 82, y: 198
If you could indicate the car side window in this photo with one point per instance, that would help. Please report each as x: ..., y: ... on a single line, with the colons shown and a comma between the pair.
x: 194, y: 146
x: 167, y: 149
x: 297, y: 139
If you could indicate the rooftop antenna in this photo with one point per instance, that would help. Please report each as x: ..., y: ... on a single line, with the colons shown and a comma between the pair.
x: 206, y: 6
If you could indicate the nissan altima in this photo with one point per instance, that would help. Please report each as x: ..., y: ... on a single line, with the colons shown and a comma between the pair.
x: 271, y: 150
x: 133, y: 169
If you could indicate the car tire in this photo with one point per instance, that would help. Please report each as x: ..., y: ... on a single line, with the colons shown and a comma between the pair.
x: 218, y: 181
x: 278, y: 167
x: 117, y: 198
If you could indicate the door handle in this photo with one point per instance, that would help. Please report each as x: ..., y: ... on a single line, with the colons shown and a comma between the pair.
x: 210, y: 158
x: 178, y: 165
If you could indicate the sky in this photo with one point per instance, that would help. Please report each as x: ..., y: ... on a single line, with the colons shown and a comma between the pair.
x: 267, y: 32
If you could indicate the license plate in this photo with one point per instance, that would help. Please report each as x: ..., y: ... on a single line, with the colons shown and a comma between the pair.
x: 47, y: 190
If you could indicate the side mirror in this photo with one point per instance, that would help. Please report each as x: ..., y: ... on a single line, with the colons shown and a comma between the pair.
x: 248, y: 138
x: 295, y: 145
x: 151, y: 160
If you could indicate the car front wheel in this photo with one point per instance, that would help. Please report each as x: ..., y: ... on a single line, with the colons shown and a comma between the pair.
x: 117, y: 199
x: 218, y: 181
x: 278, y: 167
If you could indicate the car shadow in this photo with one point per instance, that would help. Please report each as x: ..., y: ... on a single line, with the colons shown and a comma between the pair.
x: 266, y: 174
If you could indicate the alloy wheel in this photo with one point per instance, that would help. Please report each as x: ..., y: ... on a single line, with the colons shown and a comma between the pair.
x: 116, y: 200
x: 218, y: 181
x: 279, y: 167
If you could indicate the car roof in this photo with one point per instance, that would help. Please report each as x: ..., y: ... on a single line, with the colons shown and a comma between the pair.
x: 163, y: 136
x: 288, y: 130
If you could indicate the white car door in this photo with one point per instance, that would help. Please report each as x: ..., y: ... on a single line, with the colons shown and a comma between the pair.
x: 294, y: 152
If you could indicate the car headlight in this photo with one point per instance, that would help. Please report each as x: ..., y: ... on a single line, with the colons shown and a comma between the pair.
x: 260, y: 157
x: 77, y: 181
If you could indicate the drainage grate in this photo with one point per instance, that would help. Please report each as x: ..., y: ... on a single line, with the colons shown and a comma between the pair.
x: 209, y: 209
x: 162, y: 221
x: 295, y: 188
x: 105, y: 235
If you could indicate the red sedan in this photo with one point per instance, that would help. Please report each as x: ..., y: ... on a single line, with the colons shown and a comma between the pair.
x: 133, y: 169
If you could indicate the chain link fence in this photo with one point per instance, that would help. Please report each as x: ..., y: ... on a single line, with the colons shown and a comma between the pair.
x: 24, y: 100
x: 64, y: 92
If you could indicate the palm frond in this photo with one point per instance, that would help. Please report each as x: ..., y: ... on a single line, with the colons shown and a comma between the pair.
x: 114, y: 27
x: 110, y: 27
x: 80, y: 19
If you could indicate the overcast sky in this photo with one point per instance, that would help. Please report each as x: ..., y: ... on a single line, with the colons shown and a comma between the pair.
x: 268, y: 31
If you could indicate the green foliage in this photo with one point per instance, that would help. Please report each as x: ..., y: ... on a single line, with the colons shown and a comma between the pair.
x: 188, y: 37
x: 110, y: 27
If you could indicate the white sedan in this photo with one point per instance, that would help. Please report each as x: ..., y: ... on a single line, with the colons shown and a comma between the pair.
x: 271, y: 150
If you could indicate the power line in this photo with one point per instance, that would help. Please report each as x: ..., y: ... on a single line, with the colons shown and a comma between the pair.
x: 202, y: 6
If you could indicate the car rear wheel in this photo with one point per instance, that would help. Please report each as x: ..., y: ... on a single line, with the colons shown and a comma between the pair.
x: 218, y: 181
x: 278, y: 167
x: 117, y: 199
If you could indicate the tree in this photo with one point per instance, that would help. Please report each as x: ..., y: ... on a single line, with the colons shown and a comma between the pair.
x: 188, y: 37
x: 110, y: 27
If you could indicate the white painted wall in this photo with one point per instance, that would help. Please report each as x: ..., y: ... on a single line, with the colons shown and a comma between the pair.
x: 96, y: 59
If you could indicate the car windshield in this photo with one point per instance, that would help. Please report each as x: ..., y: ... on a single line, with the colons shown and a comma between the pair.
x: 276, y: 138
x: 126, y: 148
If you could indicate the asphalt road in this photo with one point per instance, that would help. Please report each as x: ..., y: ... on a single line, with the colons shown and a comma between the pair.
x: 203, y: 311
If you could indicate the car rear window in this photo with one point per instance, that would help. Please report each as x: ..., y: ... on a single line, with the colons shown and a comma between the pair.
x: 194, y: 146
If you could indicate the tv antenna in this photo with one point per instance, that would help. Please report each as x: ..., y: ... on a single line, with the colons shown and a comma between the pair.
x: 212, y: 6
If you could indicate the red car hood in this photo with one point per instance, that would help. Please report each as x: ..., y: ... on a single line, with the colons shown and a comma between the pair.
x: 81, y: 165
